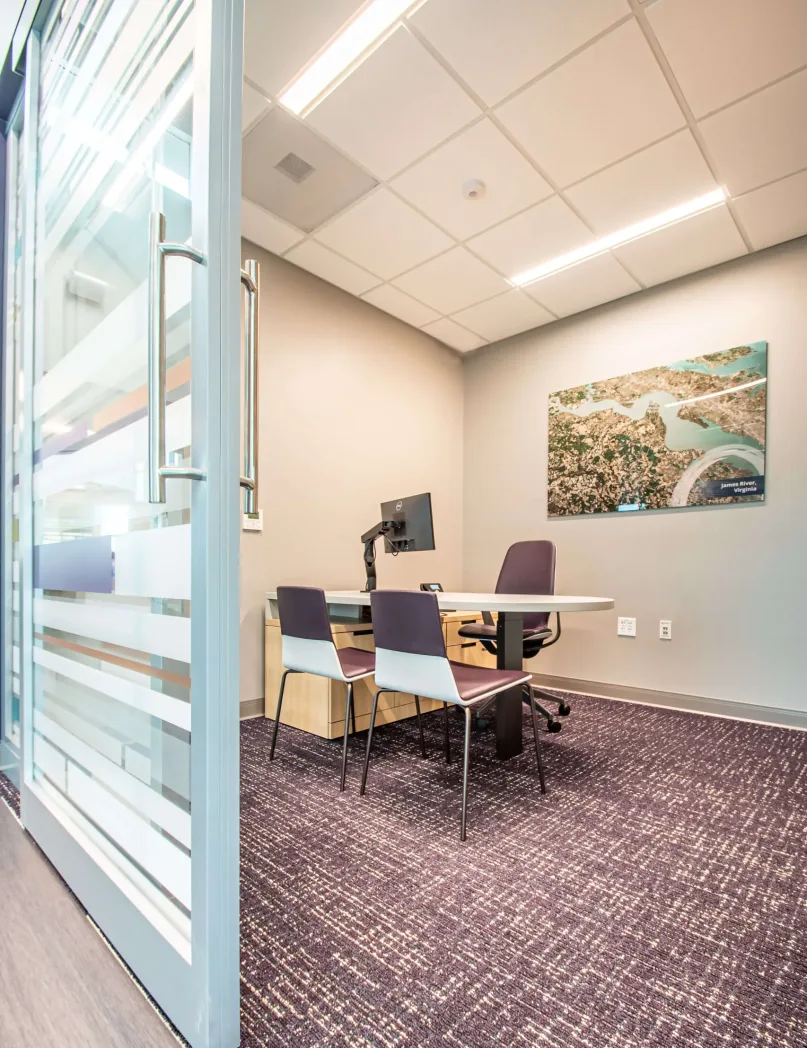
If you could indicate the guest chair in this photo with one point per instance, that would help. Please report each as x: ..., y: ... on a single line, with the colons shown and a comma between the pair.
x: 411, y: 657
x: 307, y: 647
x: 529, y: 567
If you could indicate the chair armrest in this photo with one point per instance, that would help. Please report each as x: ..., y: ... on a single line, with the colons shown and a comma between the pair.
x: 556, y: 638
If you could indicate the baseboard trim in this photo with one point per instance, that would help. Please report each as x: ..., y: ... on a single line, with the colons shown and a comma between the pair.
x: 251, y: 708
x: 727, y: 708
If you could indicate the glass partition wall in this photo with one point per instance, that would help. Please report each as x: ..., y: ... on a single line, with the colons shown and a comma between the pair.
x: 13, y: 386
x: 122, y: 482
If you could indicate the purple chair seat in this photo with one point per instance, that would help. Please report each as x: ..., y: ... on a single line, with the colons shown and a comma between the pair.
x: 476, y: 681
x: 483, y: 629
x: 355, y: 662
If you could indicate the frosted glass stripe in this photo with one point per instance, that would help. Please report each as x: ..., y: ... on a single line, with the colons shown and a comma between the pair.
x: 165, y: 862
x: 166, y: 635
x: 103, y: 355
x: 154, y: 563
x: 117, y: 460
x: 135, y: 695
x: 147, y: 801
x: 52, y: 763
x: 161, y: 911
x: 81, y: 565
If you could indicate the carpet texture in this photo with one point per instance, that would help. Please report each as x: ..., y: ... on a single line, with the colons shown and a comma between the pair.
x: 10, y: 794
x: 656, y: 897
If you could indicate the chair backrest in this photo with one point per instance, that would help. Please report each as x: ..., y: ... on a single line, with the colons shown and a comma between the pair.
x: 307, y: 641
x: 529, y: 567
x: 410, y: 649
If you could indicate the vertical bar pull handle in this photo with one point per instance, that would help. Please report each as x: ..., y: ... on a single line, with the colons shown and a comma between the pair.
x: 158, y: 249
x: 251, y: 279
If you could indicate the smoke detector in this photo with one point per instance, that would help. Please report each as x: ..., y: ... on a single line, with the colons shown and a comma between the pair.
x: 474, y: 189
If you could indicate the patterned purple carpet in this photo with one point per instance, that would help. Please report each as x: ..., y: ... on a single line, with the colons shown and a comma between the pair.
x: 656, y: 897
x: 10, y: 794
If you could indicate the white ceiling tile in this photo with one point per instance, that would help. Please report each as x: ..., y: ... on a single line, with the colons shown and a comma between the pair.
x: 323, y: 262
x: 776, y: 212
x: 696, y: 243
x: 452, y: 281
x: 282, y: 36
x: 545, y: 231
x: 402, y: 306
x: 445, y: 330
x: 482, y: 152
x: 384, y: 235
x: 265, y: 230
x: 394, y: 107
x: 589, y: 284
x: 724, y: 49
x: 660, y: 177
x: 503, y: 316
x: 253, y: 104
x: 331, y: 184
x: 497, y: 47
x: 604, y: 103
x: 761, y: 138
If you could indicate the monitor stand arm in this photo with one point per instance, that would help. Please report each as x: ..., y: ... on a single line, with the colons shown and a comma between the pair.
x: 384, y: 527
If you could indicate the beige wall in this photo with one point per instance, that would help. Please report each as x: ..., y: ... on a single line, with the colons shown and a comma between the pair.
x: 355, y: 408
x: 733, y: 578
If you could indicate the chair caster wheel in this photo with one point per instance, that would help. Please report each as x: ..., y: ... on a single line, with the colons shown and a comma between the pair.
x: 553, y: 727
x: 564, y: 710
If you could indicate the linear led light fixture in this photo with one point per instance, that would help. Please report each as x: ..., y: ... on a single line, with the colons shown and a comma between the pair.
x: 623, y: 236
x: 342, y: 55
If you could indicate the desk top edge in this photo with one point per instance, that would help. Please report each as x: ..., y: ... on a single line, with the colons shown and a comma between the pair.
x: 467, y: 601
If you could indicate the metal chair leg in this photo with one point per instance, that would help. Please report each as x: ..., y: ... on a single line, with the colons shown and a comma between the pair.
x: 447, y: 744
x: 348, y: 708
x: 537, y: 744
x: 277, y: 714
x: 420, y: 726
x: 465, y: 770
x: 353, y: 717
x: 369, y: 742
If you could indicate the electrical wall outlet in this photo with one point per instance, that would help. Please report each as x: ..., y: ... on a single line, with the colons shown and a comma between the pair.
x: 625, y: 627
x: 253, y: 521
x: 665, y: 629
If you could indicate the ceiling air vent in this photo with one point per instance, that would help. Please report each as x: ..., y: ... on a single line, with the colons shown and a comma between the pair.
x: 294, y: 167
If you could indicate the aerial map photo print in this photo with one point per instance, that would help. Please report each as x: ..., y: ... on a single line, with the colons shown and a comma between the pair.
x: 687, y: 434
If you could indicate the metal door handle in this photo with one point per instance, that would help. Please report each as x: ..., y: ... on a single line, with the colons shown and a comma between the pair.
x: 251, y: 279
x: 158, y: 249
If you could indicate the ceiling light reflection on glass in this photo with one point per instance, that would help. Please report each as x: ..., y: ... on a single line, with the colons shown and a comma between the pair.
x: 344, y: 53
x: 623, y: 236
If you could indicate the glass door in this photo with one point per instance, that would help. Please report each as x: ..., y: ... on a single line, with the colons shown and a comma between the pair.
x: 130, y: 486
x: 13, y: 385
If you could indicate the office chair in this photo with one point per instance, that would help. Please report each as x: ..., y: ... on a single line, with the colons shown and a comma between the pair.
x: 308, y: 647
x: 529, y: 567
x: 411, y: 657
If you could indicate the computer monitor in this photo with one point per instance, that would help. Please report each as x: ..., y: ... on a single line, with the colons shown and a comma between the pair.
x: 414, y: 527
x: 406, y: 525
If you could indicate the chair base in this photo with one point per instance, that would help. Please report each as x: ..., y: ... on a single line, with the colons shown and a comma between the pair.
x: 531, y: 695
x: 468, y: 712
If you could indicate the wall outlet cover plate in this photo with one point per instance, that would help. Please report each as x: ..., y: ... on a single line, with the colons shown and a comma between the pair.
x: 625, y: 627
x: 253, y: 521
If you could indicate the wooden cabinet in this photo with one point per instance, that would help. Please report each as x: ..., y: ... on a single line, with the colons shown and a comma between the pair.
x: 317, y: 704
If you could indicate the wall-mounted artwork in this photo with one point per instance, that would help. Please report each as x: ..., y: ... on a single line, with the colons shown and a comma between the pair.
x: 688, y: 434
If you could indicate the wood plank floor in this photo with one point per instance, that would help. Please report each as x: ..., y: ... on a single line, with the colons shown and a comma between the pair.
x: 59, y: 983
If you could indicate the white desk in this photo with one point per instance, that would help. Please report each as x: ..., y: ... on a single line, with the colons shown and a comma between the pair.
x: 522, y: 603
x: 511, y: 608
